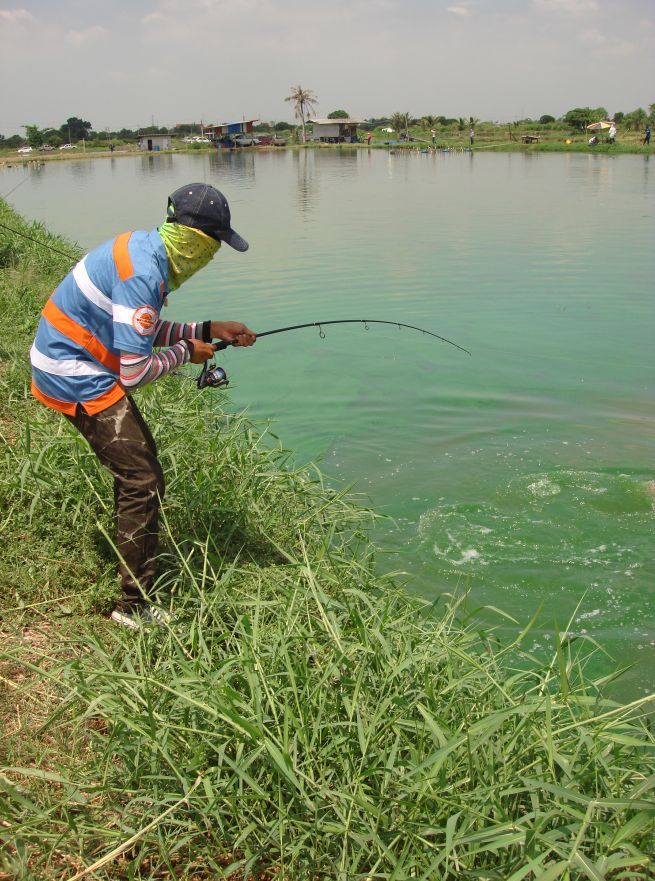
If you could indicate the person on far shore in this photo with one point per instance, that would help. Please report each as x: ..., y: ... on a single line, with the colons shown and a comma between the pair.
x: 647, y: 136
x: 471, y: 135
x: 611, y: 135
x: 434, y: 137
x: 593, y: 141
x: 368, y: 138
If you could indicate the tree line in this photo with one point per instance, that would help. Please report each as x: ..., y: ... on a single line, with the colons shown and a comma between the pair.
x: 304, y: 101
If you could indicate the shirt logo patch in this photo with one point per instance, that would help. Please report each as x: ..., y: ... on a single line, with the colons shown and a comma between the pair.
x: 144, y: 320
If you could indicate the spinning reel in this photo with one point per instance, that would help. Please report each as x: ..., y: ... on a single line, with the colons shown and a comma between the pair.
x: 212, y: 376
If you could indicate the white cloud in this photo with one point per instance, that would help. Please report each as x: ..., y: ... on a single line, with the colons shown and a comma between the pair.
x: 15, y: 15
x: 593, y: 37
x: 84, y: 38
x: 462, y: 11
x: 575, y: 8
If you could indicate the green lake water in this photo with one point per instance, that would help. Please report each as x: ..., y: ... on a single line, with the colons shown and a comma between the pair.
x: 519, y: 472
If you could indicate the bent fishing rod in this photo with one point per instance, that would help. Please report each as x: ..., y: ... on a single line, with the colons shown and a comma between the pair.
x: 214, y: 377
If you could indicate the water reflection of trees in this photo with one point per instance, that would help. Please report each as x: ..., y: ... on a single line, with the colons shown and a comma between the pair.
x: 307, y: 184
x: 153, y: 164
x: 237, y: 165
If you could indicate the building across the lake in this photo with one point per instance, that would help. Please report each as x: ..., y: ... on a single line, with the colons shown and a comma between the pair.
x: 335, y: 131
x: 154, y: 142
x: 243, y: 127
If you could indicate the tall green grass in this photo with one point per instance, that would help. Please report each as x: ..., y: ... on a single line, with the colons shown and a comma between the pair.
x: 302, y: 717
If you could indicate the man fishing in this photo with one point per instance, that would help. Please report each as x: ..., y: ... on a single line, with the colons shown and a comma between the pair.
x: 94, y: 346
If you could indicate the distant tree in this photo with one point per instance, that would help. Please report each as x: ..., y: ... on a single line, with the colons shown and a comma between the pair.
x: 545, y: 119
x: 304, y: 102
x: 599, y: 113
x: 400, y: 122
x: 75, y: 129
x: 34, y: 136
x: 651, y: 112
x: 183, y: 128
x: 12, y: 141
x: 461, y: 124
x: 579, y: 117
x: 619, y: 116
x: 429, y: 121
x: 282, y: 126
x: 636, y: 118
x: 338, y: 114
x: 153, y: 130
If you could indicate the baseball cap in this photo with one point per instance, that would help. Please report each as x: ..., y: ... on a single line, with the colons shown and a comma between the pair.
x: 205, y: 208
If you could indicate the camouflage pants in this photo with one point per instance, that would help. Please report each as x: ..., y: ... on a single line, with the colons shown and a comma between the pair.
x: 123, y: 443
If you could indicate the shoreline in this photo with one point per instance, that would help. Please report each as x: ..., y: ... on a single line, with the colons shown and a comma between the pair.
x: 10, y: 159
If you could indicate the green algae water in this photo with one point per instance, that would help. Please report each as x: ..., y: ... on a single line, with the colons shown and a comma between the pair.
x: 519, y: 473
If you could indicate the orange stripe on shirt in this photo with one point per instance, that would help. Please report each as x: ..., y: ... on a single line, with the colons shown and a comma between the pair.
x: 95, y: 405
x: 67, y: 407
x: 122, y: 257
x: 80, y: 335
x: 106, y: 399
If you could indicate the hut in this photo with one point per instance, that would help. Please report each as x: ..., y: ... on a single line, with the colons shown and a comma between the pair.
x: 154, y: 142
x: 335, y: 131
x: 225, y: 129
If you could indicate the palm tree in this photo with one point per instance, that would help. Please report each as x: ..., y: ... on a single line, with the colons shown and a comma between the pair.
x: 304, y: 101
x: 473, y: 121
x: 400, y: 121
x: 461, y: 124
x: 429, y: 121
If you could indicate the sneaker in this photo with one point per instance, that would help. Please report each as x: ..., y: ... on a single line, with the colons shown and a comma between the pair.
x: 141, y: 616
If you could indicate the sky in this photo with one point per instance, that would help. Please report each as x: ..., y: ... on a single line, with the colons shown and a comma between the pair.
x: 129, y: 63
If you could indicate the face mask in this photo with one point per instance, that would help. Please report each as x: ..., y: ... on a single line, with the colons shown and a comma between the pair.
x: 187, y: 249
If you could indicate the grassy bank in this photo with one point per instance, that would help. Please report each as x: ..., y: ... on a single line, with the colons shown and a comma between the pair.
x: 494, y: 141
x: 302, y: 717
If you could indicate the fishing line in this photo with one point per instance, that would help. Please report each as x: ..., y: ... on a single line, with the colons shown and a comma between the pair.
x: 37, y: 242
x: 13, y: 189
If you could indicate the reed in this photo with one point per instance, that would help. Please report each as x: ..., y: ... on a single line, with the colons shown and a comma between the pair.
x: 303, y: 716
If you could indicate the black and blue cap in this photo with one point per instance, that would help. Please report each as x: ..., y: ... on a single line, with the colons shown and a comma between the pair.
x: 205, y: 208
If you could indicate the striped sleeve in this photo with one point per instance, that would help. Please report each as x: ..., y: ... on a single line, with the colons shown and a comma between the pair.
x: 139, y: 370
x: 168, y: 333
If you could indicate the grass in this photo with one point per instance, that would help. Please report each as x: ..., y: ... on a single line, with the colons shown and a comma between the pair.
x: 302, y: 717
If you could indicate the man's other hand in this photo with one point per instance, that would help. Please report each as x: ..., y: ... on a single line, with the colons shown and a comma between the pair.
x: 233, y: 332
x: 200, y: 352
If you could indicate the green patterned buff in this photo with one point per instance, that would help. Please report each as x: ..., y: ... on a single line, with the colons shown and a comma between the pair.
x: 187, y: 249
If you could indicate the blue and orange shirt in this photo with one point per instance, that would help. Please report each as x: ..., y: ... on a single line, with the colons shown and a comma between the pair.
x: 108, y: 304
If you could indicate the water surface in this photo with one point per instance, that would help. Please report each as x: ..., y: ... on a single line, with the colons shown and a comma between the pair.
x: 520, y: 472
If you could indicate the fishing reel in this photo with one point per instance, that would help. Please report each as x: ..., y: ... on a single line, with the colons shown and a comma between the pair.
x: 212, y: 376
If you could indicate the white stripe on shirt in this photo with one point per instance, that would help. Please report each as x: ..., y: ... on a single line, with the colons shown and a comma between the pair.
x: 66, y: 367
x: 90, y: 291
x: 123, y: 314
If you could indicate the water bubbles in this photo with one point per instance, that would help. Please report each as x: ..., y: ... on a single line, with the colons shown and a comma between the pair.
x: 544, y: 488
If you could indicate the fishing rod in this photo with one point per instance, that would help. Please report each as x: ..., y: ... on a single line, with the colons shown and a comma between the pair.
x: 364, y: 321
x: 37, y: 242
x: 215, y: 377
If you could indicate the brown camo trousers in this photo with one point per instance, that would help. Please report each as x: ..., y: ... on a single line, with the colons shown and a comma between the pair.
x: 123, y: 443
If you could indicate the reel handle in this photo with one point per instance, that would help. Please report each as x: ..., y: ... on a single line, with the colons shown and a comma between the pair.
x: 218, y: 347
